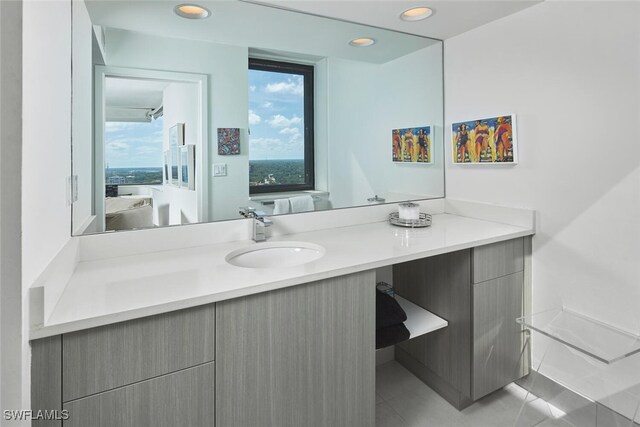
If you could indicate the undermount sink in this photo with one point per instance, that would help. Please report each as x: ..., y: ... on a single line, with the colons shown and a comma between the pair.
x: 275, y: 255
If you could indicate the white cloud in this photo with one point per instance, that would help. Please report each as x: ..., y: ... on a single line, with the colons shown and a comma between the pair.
x: 290, y: 131
x: 267, y: 104
x: 269, y: 144
x: 118, y: 145
x: 149, y: 150
x: 295, y: 139
x: 113, y: 127
x: 280, y: 121
x: 254, y: 119
x: 292, y: 86
x: 252, y: 88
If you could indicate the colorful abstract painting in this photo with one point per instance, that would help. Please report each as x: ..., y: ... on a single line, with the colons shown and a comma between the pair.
x: 228, y: 141
x: 491, y: 140
x: 412, y: 145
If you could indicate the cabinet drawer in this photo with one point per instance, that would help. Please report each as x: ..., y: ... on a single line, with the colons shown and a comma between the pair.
x: 184, y: 398
x: 104, y: 358
x: 497, y: 260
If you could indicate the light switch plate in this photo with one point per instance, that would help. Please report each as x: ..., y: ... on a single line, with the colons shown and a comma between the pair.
x: 219, y: 169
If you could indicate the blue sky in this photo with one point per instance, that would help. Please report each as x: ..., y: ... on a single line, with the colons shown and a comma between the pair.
x: 129, y: 145
x: 276, y: 115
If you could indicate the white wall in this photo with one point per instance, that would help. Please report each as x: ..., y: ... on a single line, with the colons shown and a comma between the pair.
x: 570, y: 71
x: 226, y: 68
x: 180, y: 105
x: 12, y: 344
x: 46, y: 217
x: 46, y: 146
x: 82, y: 128
x: 365, y: 102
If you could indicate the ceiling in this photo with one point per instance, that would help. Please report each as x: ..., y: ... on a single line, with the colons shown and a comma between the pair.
x: 450, y: 18
x: 257, y: 27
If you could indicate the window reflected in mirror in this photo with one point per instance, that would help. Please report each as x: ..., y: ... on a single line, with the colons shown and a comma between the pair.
x: 281, y: 127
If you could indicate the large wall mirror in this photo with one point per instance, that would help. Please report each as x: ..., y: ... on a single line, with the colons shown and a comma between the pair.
x: 180, y: 120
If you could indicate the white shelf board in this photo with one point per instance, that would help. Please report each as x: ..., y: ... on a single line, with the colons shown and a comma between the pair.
x: 419, y: 321
x: 589, y: 336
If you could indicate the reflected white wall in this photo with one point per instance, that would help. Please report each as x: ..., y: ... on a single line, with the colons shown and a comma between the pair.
x: 82, y: 130
x: 365, y: 102
x: 180, y: 105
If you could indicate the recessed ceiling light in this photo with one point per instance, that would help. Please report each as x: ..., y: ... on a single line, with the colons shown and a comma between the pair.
x: 191, y: 11
x: 416, y: 13
x: 362, y: 42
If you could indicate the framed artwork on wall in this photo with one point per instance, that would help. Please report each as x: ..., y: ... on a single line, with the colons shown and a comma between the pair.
x: 187, y: 166
x: 176, y: 135
x: 485, y: 141
x: 412, y: 145
x: 228, y: 141
x: 174, y: 165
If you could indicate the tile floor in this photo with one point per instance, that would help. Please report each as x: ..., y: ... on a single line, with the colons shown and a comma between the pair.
x: 402, y: 400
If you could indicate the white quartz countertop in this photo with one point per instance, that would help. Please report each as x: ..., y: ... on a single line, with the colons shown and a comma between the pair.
x: 111, y: 290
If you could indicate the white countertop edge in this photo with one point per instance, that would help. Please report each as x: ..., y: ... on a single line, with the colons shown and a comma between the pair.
x: 40, y: 331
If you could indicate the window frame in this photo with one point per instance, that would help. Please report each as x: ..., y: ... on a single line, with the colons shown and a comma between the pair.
x: 307, y: 71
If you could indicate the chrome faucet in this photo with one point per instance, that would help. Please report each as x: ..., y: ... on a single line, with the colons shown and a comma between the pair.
x: 260, y: 222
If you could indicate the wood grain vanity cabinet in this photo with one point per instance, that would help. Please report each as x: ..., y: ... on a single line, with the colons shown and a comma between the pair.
x: 480, y: 291
x: 299, y: 356
x: 155, y: 371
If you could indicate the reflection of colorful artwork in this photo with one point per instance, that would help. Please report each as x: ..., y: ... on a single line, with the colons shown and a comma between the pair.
x: 228, y: 141
x: 411, y: 145
x: 491, y: 140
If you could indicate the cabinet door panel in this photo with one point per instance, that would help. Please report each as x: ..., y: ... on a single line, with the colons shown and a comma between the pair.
x: 104, y: 358
x: 497, y: 337
x: 46, y: 378
x: 497, y: 260
x: 184, y: 398
x: 300, y: 356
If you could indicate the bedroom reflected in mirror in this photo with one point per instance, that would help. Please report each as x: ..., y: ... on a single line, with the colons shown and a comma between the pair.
x: 180, y: 121
x: 149, y: 129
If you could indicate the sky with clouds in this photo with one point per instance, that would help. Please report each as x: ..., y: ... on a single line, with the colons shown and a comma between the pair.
x: 130, y: 145
x: 276, y: 113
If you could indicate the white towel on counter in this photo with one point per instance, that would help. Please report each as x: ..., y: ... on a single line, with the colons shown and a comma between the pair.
x: 281, y: 206
x: 301, y: 204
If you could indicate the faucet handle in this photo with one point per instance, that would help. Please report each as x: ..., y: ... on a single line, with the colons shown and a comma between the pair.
x: 247, y: 212
x: 265, y: 221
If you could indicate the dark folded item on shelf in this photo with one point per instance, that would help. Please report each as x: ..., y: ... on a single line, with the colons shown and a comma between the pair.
x: 388, y: 311
x: 391, y: 335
